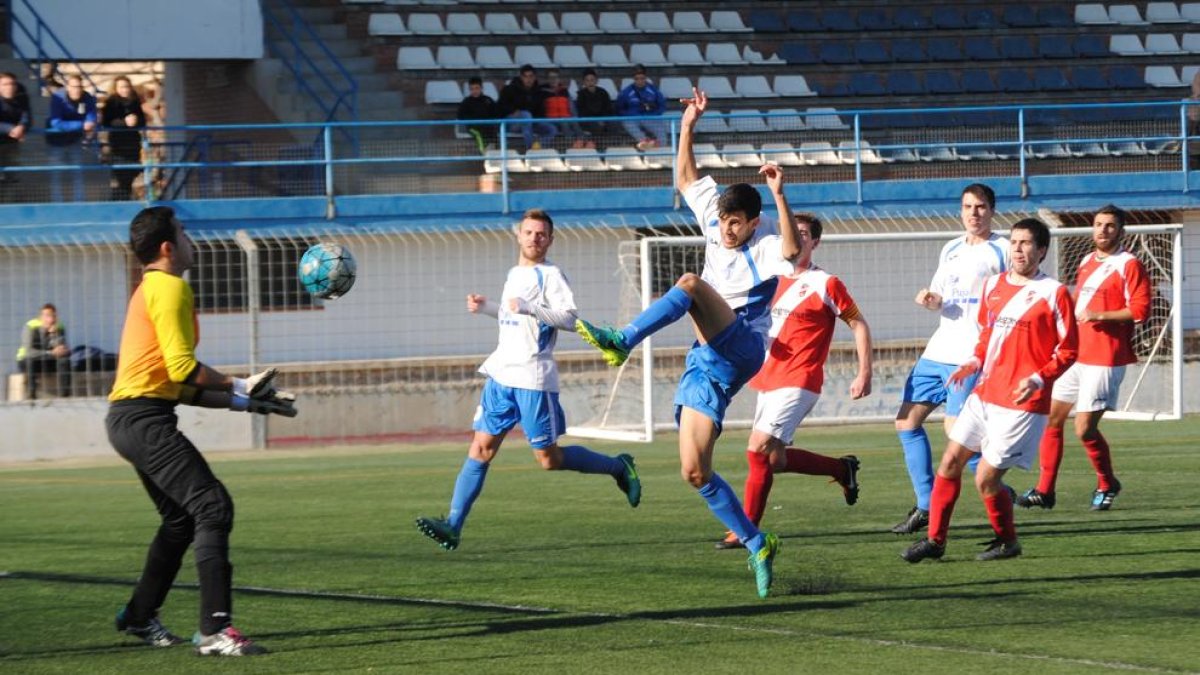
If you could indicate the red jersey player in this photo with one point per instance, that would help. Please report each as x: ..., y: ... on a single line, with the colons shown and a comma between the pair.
x: 804, y: 312
x: 1028, y: 340
x: 1112, y: 293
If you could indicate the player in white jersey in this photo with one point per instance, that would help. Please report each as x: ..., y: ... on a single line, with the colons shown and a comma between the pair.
x: 963, y: 265
x: 522, y: 381
x: 730, y: 310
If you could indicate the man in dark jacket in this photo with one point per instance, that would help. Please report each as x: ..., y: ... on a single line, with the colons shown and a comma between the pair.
x: 44, y: 351
x: 479, y: 106
x: 123, y: 117
x: 594, y: 101
x: 14, y: 121
x: 72, y: 122
x: 524, y: 99
x: 641, y: 98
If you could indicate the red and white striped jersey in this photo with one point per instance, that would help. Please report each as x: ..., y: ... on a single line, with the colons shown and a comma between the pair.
x: 1025, y: 329
x: 1105, y: 284
x: 803, y: 315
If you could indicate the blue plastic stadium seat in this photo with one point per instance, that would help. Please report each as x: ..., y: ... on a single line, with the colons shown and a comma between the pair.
x: 1092, y: 45
x: 871, y: 51
x: 803, y: 21
x: 942, y: 82
x: 981, y: 49
x: 839, y: 20
x: 904, y: 83
x: 981, y: 17
x: 1055, y: 16
x: 874, y: 19
x: 1089, y: 77
x: 1056, y: 47
x: 908, y: 51
x: 1050, y: 79
x: 1021, y: 16
x: 944, y: 49
x: 1016, y: 47
x: 910, y: 18
x: 837, y: 53
x: 766, y: 21
x: 1014, y: 80
x: 866, y: 84
x: 978, y: 82
x: 949, y: 17
x: 1126, y: 77
x: 801, y: 53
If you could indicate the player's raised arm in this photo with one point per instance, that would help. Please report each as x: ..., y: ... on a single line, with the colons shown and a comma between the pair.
x: 861, y: 386
x: 693, y: 108
x: 787, y: 223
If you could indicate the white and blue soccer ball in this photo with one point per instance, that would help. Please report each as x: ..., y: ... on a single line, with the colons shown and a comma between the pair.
x: 327, y: 270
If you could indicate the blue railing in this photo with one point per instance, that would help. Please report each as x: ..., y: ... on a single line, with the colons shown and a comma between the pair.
x: 1019, y: 135
x: 337, y: 100
x: 38, y: 36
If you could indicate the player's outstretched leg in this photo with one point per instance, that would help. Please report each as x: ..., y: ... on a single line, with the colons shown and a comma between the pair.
x: 621, y: 468
x: 843, y: 470
x: 918, y: 459
x: 609, y: 341
x: 629, y: 481
x: 468, y: 485
x: 724, y: 504
x: 152, y: 632
x: 616, y: 344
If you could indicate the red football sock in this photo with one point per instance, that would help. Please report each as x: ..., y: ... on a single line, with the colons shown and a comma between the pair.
x: 1050, y: 457
x: 803, y: 461
x: 758, y: 485
x: 941, y: 506
x: 1000, y: 512
x: 1097, y: 451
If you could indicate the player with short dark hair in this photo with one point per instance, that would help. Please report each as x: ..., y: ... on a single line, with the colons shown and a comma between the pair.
x: 157, y: 370
x: 730, y: 310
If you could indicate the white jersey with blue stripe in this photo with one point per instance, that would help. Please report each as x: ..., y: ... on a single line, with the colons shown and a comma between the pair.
x: 744, y: 276
x: 524, y: 356
x: 962, y: 269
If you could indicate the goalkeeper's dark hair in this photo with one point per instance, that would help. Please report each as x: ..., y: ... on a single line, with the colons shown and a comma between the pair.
x: 1120, y: 215
x: 150, y: 228
x: 1041, y: 233
x: 983, y: 192
x: 539, y: 214
x: 815, y: 226
x: 740, y: 197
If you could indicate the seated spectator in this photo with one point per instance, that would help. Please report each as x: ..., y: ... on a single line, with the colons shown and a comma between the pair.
x: 558, y: 105
x: 643, y: 99
x: 72, y: 121
x: 43, y: 351
x: 14, y: 121
x: 524, y: 99
x: 479, y: 106
x: 593, y: 101
x: 123, y: 116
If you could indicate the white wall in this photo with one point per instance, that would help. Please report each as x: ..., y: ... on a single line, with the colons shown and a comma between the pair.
x: 146, y: 29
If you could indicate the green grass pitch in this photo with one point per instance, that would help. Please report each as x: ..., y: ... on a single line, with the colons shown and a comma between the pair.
x: 557, y: 574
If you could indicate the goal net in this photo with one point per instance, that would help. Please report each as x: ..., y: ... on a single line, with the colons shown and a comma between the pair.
x: 883, y: 272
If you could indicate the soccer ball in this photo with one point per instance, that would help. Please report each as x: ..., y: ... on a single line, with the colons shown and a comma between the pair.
x: 327, y: 270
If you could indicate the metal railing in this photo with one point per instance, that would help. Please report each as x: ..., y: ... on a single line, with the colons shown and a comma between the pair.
x: 38, y: 36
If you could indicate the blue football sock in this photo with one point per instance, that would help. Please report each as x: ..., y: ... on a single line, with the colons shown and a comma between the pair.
x: 662, y: 312
x: 466, y: 490
x: 918, y: 458
x: 725, y: 506
x: 579, y: 458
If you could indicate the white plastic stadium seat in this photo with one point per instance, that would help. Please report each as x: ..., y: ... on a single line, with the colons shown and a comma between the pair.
x: 1163, y: 12
x: 792, y: 85
x: 782, y: 154
x: 1190, y: 11
x: 545, y: 160
x: 415, y: 58
x: 616, y: 22
x: 685, y: 54
x: 1126, y: 15
x: 579, y: 23
x: 444, y: 91
x: 1126, y: 45
x: 1162, y: 43
x: 723, y: 54
x: 492, y: 163
x: 502, y: 23
x: 741, y: 154
x: 648, y: 54
x: 824, y: 118
x: 728, y: 22
x: 658, y: 158
x: 846, y: 153
x: 421, y: 23
x: 713, y: 123
x: 676, y: 87
x: 584, y: 159
x: 1191, y: 43
x: 463, y: 23
x: 571, y: 56
x: 716, y: 86
x: 942, y: 154
x: 624, y: 158
x: 534, y: 55
x: 754, y: 86
x: 455, y: 58
x: 386, y: 24
x: 1163, y: 76
x: 607, y: 84
x: 1093, y: 14
x: 546, y: 24
x: 609, y: 56
x: 689, y: 22
x: 752, y: 56
x: 495, y: 57
x: 747, y: 121
x: 818, y: 152
x: 707, y: 156
x: 784, y: 119
x: 1188, y: 73
x: 362, y: 2
x: 1126, y: 149
x: 653, y: 22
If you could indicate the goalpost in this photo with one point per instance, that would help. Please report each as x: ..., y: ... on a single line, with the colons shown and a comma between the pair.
x: 883, y: 272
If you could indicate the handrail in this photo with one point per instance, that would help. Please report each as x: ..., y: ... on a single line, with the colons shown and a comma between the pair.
x: 34, y: 64
x: 200, y: 144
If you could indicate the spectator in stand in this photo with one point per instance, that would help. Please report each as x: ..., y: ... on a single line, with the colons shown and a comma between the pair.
x: 593, y: 101
x: 641, y: 98
x: 479, y: 106
x: 72, y: 123
x: 523, y: 99
x: 559, y: 105
x: 14, y: 121
x: 123, y: 116
x: 44, y: 351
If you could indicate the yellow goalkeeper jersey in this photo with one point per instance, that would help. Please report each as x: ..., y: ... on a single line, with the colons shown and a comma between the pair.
x: 158, y: 343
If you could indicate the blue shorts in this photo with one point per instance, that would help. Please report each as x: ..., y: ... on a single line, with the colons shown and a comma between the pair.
x: 717, y: 370
x: 538, y: 412
x: 929, y: 382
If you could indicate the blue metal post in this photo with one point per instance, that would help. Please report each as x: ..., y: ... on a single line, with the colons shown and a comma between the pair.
x: 858, y: 181
x: 327, y: 142
x: 147, y: 177
x: 1183, y: 110
x: 674, y: 162
x: 504, y: 165
x: 1021, y: 152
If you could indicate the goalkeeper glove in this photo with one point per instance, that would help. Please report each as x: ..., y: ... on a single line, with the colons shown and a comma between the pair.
x: 260, y: 386
x: 275, y: 405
